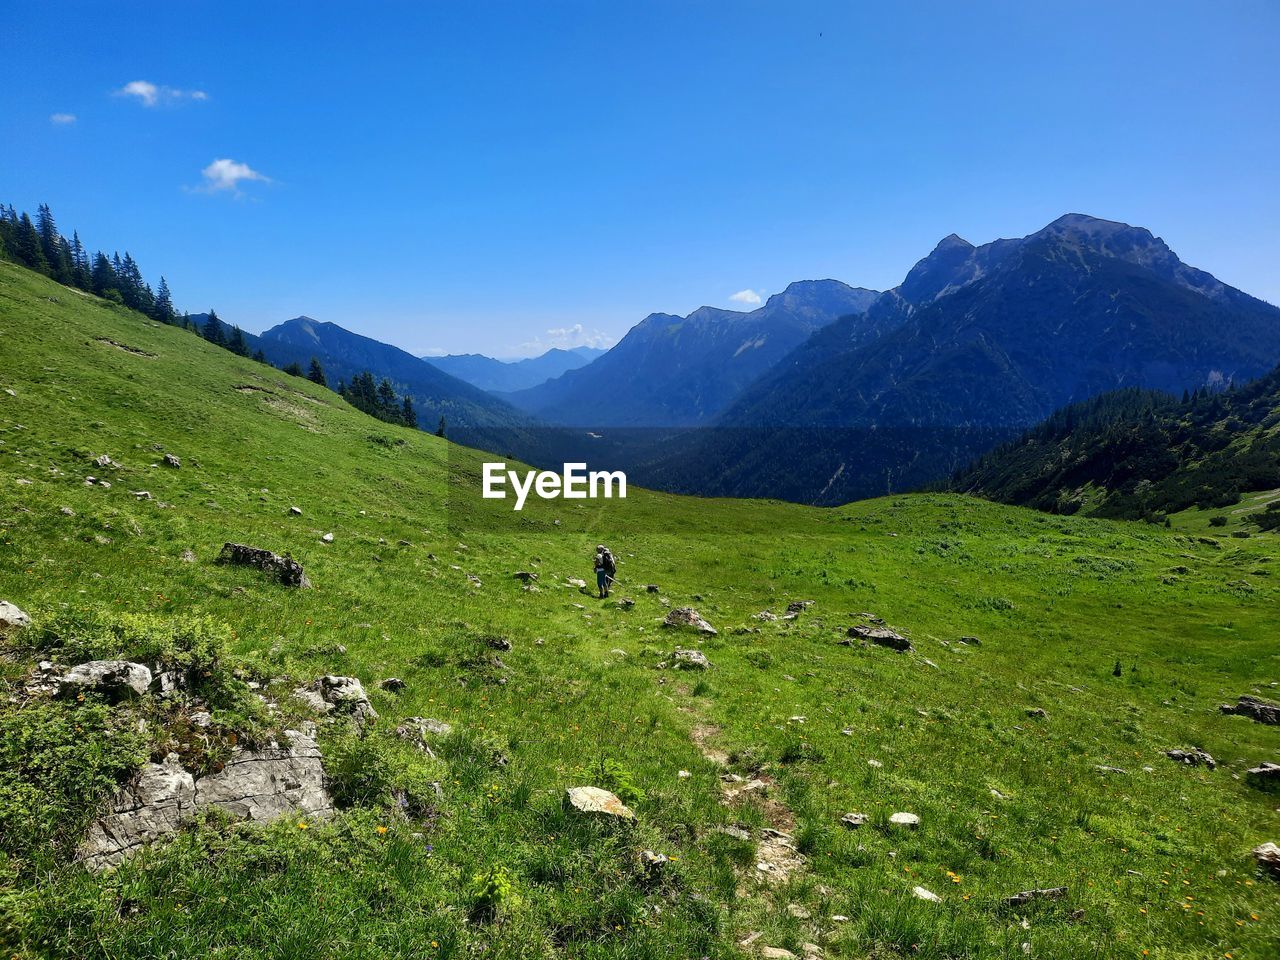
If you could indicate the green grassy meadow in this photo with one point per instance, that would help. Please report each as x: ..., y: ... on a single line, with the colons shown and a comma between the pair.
x: 1157, y: 863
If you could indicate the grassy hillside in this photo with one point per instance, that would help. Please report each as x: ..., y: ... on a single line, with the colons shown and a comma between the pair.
x: 1157, y: 863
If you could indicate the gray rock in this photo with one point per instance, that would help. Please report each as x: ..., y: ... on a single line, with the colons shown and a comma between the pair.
x: 799, y: 606
x: 576, y: 582
x: 766, y: 616
x: 651, y: 588
x: 295, y: 511
x: 1261, y: 711
x: 265, y: 783
x: 1043, y: 893
x: 687, y: 617
x: 117, y: 679
x: 1036, y: 713
x: 1195, y: 757
x: 421, y: 731
x: 287, y: 570
x: 327, y: 538
x: 392, y: 684
x: 908, y: 820
x: 690, y: 660
x: 920, y: 893
x: 12, y: 618
x: 498, y: 643
x: 1267, y: 856
x: 653, y: 863
x: 171, y: 461
x: 881, y: 636
x: 347, y: 695
x: 598, y: 802
x: 66, y: 511
x: 626, y: 603
x: 149, y: 808
x: 187, y: 556
x: 852, y: 821
x: 1265, y: 775
x: 105, y: 461
x: 525, y: 576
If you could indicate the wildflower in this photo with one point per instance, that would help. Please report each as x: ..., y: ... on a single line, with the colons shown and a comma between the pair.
x: 382, y: 829
x: 302, y: 825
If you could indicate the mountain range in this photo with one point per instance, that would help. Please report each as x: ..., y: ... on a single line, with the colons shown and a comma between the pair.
x: 975, y: 345
x: 505, y: 376
x: 671, y: 371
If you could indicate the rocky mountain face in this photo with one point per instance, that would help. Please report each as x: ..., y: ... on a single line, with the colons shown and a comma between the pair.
x: 671, y: 371
x: 975, y: 345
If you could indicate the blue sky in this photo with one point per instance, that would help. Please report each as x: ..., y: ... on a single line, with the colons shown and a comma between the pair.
x: 492, y: 177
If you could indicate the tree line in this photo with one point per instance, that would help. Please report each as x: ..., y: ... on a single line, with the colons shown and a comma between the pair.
x: 38, y: 245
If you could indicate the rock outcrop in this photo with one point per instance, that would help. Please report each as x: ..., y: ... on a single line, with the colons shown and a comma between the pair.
x: 285, y: 569
x: 340, y: 695
x: 689, y: 618
x: 1194, y: 757
x: 880, y: 636
x: 1267, y: 856
x: 1263, y: 711
x: 257, y: 784
x: 1265, y: 776
x: 690, y: 660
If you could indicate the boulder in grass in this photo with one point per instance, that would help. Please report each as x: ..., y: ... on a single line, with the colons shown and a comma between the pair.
x: 1265, y: 776
x: 908, y: 820
x: 171, y: 461
x: 880, y: 636
x: 1267, y: 856
x: 687, y: 617
x: 116, y: 679
x: 1262, y: 711
x: 599, y: 802
x: 285, y: 569
x: 1194, y: 757
x: 12, y: 618
x: 1043, y: 893
x: 921, y: 893
x: 852, y: 821
x: 690, y: 660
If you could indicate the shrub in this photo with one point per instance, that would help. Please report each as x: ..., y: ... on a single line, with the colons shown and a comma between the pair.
x: 490, y: 892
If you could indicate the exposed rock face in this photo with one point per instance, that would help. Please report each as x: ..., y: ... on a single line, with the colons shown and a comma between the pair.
x: 1268, y: 858
x: 1263, y: 711
x: 1195, y: 757
x: 287, y: 570
x: 688, y: 617
x: 12, y: 618
x: 594, y: 800
x: 269, y: 782
x: 256, y: 784
x: 163, y: 796
x: 690, y: 660
x: 117, y: 679
x: 881, y: 636
x: 1265, y: 775
x: 776, y: 856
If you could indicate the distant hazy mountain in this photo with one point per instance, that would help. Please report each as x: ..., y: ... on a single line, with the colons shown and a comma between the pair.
x: 505, y: 376
x: 976, y: 344
x: 474, y: 417
x: 680, y: 371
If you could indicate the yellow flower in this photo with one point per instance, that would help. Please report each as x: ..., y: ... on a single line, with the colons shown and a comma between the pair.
x: 302, y: 825
x: 382, y: 829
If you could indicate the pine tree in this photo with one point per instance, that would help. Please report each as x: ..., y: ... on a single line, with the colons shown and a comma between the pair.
x: 80, y: 276
x: 236, y: 343
x: 103, y: 277
x: 48, y: 232
x: 26, y: 246
x: 213, y: 330
x: 440, y: 430
x: 316, y: 373
x: 259, y: 356
x: 163, y: 310
x: 293, y: 369
x: 386, y: 402
x: 408, y: 414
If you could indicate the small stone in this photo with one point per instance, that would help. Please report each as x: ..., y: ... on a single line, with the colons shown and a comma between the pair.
x: 881, y: 636
x: 626, y: 603
x: 688, y: 617
x: 875, y: 763
x: 798, y: 911
x: 683, y: 774
x: 1026, y: 896
x: 187, y: 556
x: 777, y: 953
x: 908, y: 820
x: 576, y: 582
x: 1267, y: 857
x: 498, y: 643
x: 327, y: 538
x: 852, y: 821
x: 117, y: 679
x: 392, y: 684
x: 171, y: 461
x: 295, y: 511
x: 921, y: 893
x: 66, y: 511
x: 1037, y: 713
x: 653, y: 863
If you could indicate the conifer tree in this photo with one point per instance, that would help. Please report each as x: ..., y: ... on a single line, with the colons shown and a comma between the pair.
x: 316, y: 373
x: 440, y: 430
x: 26, y: 246
x: 213, y: 330
x: 163, y: 309
x: 103, y: 276
x: 407, y: 413
x: 236, y: 343
x: 293, y: 369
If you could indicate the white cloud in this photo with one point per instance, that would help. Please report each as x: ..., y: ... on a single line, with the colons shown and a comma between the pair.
x: 228, y: 175
x: 746, y: 296
x: 150, y: 95
x: 566, y: 338
x: 62, y: 118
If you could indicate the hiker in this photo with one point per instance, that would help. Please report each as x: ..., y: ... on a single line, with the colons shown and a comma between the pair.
x: 605, y: 569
